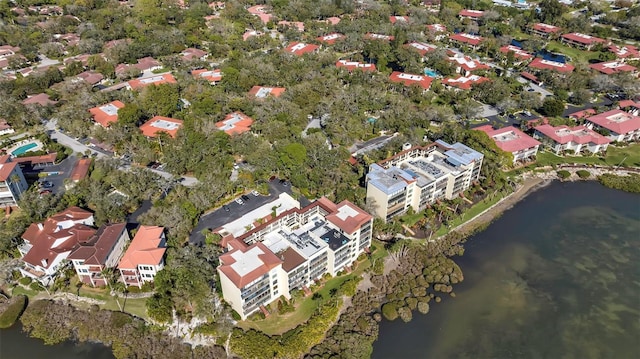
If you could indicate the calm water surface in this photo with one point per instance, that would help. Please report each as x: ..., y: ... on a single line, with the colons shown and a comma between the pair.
x: 557, y: 276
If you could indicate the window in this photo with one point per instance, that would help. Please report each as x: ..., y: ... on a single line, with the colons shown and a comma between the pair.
x: 84, y: 270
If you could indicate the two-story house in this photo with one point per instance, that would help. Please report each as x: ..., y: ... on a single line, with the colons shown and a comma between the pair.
x: 102, y: 251
x: 145, y: 256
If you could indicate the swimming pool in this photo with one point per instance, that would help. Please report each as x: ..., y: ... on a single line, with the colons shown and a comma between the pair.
x: 25, y: 148
x: 430, y: 73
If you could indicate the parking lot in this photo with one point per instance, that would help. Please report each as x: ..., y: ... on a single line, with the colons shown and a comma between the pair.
x: 221, y: 216
x: 55, y: 174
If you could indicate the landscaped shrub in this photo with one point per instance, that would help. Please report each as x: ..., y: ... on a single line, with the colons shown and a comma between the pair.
x: 563, y: 174
x: 24, y: 281
x: 35, y: 286
x: 583, y: 174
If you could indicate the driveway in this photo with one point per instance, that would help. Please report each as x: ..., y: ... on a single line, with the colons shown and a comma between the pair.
x: 68, y: 141
x: 220, y: 217
x: 487, y: 111
x: 531, y: 87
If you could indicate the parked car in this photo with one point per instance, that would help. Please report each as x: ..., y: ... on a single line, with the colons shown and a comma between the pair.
x: 239, y: 201
x: 46, y: 184
x: 226, y: 208
x: 255, y: 193
x: 245, y: 197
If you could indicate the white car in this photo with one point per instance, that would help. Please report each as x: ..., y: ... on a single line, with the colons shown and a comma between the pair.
x: 255, y: 193
x: 239, y: 201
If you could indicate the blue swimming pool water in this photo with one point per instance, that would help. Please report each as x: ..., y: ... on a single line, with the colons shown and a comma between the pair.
x: 22, y: 149
x: 430, y: 73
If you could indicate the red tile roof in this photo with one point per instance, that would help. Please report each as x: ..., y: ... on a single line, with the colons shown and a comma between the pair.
x: 542, y: 64
x: 331, y: 38
x: 577, y: 134
x: 80, y: 170
x: 243, y: 265
x: 582, y: 114
x: 261, y: 11
x: 153, y: 80
x: 509, y: 139
x: 6, y: 168
x: 529, y: 76
x: 91, y: 77
x: 372, y: 36
x: 409, y: 79
x: 298, y: 25
x: 621, y: 104
x: 616, y: 121
x: 159, y: 124
x: 612, y: 67
x: 546, y: 28
x: 146, y: 248
x: 466, y: 38
x: 193, y: 53
x: 43, y: 159
x: 399, y: 19
x: 147, y: 63
x: 41, y: 99
x: 463, y: 82
x: 300, y: 48
x: 626, y: 51
x: 99, y: 247
x: 262, y: 92
x: 468, y: 64
x: 212, y: 76
x: 471, y: 13
x: 346, y: 215
x: 422, y: 47
x: 583, y: 38
x: 290, y: 259
x: 235, y: 123
x: 355, y: 65
x: 437, y: 28
x: 518, y: 52
x: 106, y: 114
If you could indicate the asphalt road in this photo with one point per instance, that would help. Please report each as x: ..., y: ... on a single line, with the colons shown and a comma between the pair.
x: 220, y: 217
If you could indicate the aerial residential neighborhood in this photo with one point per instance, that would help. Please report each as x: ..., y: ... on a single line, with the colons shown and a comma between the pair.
x: 251, y: 174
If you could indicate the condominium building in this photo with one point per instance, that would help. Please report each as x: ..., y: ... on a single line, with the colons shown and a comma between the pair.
x: 145, y: 256
x: 12, y: 182
x: 510, y: 139
x: 291, y: 251
x: 419, y: 176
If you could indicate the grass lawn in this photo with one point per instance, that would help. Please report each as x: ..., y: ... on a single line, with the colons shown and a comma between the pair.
x: 20, y: 290
x: 629, y: 156
x: 277, y: 324
x: 577, y: 56
x: 411, y: 219
x: 468, y: 214
x: 136, y: 306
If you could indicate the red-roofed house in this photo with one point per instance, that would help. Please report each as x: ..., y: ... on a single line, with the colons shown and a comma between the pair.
x: 291, y: 251
x: 235, y: 123
x: 582, y: 114
x: 106, y: 114
x: 372, y: 36
x: 12, y: 182
x: 193, y: 54
x: 518, y: 53
x: 161, y: 124
x: 466, y: 65
x: 333, y: 20
x: 262, y: 92
x: 576, y: 139
x: 399, y: 19
x: 148, y: 64
x: 582, y: 41
x: 437, y: 28
x: 331, y: 38
x: 531, y: 77
x: 298, y: 25
x: 80, y: 170
x: 213, y: 76
x: 262, y: 12
x: 510, y: 139
x: 91, y: 77
x: 464, y: 83
x: 470, y: 14
x: 626, y: 52
x: 300, y: 48
x: 145, y: 256
x: 409, y: 79
x: 250, y: 33
x: 542, y: 64
x: 544, y: 30
x: 613, y: 67
x: 103, y: 250
x: 138, y: 84
x: 46, y: 245
x: 473, y: 41
x: 41, y: 99
x: 355, y: 65
x: 622, y: 126
x: 421, y: 47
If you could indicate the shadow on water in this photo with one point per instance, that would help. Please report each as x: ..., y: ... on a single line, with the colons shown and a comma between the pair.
x: 554, y: 277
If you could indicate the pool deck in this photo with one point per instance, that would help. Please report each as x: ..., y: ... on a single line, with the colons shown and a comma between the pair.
x: 39, y: 146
